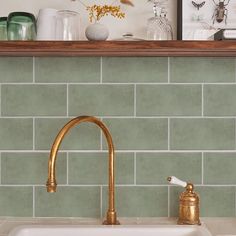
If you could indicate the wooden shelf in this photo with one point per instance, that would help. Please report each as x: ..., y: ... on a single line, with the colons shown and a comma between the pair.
x: 119, y: 48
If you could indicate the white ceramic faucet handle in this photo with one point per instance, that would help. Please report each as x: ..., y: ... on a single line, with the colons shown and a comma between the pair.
x: 176, y: 181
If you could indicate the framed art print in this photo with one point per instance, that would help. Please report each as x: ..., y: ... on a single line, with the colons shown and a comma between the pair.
x: 201, y: 19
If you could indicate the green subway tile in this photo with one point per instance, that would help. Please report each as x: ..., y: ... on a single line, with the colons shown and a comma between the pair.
x: 16, y: 70
x: 197, y: 134
x: 139, y: 201
x: 16, y: 201
x: 62, y: 69
x: 197, y: 70
x: 154, y: 168
x: 35, y: 100
x: 35, y: 166
x: 16, y: 133
x: 135, y: 69
x: 92, y: 168
x: 174, y: 194
x: 219, y: 168
x: 101, y: 100
x: 220, y: 100
x: 164, y: 100
x: 68, y: 202
x: 83, y: 136
x: 140, y: 134
x: 214, y: 201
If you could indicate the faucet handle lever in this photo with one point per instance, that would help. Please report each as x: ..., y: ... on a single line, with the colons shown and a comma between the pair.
x: 176, y: 181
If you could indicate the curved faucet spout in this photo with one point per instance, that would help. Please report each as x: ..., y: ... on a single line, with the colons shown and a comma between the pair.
x: 51, y: 182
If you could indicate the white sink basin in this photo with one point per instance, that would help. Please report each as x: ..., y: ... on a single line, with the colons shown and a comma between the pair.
x: 37, y: 230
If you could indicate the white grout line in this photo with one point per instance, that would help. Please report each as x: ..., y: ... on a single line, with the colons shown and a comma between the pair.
x: 1, y: 168
x: 168, y: 207
x: 122, y: 117
x: 234, y: 201
x: 67, y: 168
x: 1, y: 100
x: 135, y: 100
x: 101, y: 70
x: 108, y: 83
x: 34, y: 134
x: 168, y: 70
x: 101, y: 138
x: 235, y: 69
x: 117, y: 185
x: 101, y: 205
x: 202, y: 168
x: 101, y: 143
x: 121, y: 151
x: 67, y: 100
x: 168, y: 133
x: 33, y: 69
x: 33, y: 201
x: 135, y: 169
x: 235, y: 133
x: 202, y: 100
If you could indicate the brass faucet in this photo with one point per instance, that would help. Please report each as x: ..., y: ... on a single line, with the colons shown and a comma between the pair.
x: 111, y: 218
x: 188, y: 203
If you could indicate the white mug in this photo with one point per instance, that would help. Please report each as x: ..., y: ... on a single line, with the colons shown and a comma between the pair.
x: 46, y: 24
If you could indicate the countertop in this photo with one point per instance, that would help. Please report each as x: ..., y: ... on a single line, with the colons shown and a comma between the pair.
x: 217, y: 226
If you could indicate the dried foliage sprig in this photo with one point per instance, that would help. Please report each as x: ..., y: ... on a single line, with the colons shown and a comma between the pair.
x: 127, y: 2
x: 97, y: 12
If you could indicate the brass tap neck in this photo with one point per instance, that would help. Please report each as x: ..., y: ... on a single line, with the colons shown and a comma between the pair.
x: 51, y: 183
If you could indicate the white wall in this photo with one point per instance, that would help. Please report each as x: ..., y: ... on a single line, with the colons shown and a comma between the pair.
x: 135, y: 21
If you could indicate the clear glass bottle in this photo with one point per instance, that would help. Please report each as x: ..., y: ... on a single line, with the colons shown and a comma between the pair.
x: 159, y: 27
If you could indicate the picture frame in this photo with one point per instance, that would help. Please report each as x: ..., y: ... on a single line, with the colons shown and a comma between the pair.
x: 199, y: 20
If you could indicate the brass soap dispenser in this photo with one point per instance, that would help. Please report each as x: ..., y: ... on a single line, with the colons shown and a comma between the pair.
x: 188, y: 203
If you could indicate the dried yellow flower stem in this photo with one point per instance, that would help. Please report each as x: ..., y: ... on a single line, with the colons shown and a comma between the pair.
x: 127, y: 2
x: 97, y: 12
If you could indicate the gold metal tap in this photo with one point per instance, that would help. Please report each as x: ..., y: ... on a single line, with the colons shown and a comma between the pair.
x: 111, y: 218
x: 188, y: 203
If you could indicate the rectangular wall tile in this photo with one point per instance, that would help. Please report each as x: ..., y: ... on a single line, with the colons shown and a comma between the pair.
x: 101, y: 100
x: 139, y: 201
x: 154, y: 168
x: 138, y: 134
x: 214, y: 201
x: 219, y: 168
x: 220, y: 100
x: 172, y: 100
x: 68, y: 202
x: 84, y: 136
x: 135, y: 69
x: 198, y: 70
x: 92, y: 168
x: 30, y: 168
x: 206, y: 134
x: 16, y: 201
x: 33, y: 100
x: 71, y: 69
x: 86, y: 166
x: 16, y: 69
x: 16, y: 134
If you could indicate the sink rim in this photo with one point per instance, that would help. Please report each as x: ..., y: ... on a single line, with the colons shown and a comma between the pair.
x: 18, y: 229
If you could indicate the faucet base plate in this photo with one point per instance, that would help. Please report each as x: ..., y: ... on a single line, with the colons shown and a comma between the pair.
x: 105, y: 222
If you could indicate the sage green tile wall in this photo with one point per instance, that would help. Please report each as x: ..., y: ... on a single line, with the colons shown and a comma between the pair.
x: 167, y: 116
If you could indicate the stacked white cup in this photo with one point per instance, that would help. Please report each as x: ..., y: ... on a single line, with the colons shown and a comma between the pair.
x: 46, y: 24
